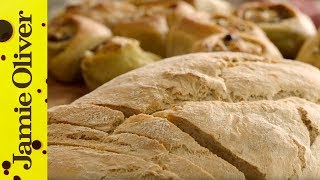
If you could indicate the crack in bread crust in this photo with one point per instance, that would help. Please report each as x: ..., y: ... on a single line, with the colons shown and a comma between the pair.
x: 86, y: 115
x: 313, y: 130
x: 83, y: 146
x: 179, y: 143
x: 87, y: 137
x: 250, y: 171
x: 160, y: 158
x: 80, y: 125
x: 108, y: 150
x: 233, y: 158
x: 141, y: 167
x: 271, y: 126
x: 127, y: 111
x: 301, y: 154
x: 156, y: 157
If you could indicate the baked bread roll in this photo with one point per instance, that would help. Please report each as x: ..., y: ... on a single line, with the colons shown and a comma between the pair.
x: 174, y: 11
x: 108, y: 13
x: 152, y: 22
x: 150, y: 30
x: 197, y: 116
x: 285, y: 25
x: 310, y: 51
x: 211, y: 6
x: 112, y: 58
x: 186, y: 36
x: 186, y: 32
x: 149, y: 2
x: 235, y: 24
x: 237, y: 43
x: 69, y: 38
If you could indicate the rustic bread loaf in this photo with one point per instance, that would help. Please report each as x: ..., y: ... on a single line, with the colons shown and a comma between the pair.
x: 222, y: 76
x: 196, y: 116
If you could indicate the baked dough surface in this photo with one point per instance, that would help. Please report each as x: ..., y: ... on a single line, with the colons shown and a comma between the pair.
x: 197, y: 116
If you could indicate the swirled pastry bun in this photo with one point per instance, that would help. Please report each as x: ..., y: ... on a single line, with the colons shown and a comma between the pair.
x: 234, y: 24
x: 174, y: 11
x: 112, y: 58
x: 68, y: 40
x: 237, y: 43
x: 285, y: 25
x: 310, y: 51
x: 211, y: 6
x: 186, y: 32
x: 150, y: 30
x: 108, y: 13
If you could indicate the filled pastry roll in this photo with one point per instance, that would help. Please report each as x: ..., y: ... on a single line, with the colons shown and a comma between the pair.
x: 147, y: 2
x: 237, y: 43
x: 150, y: 30
x: 211, y: 6
x: 112, y: 58
x: 235, y: 24
x: 173, y: 10
x: 108, y: 13
x: 186, y: 32
x: 285, y: 25
x: 68, y: 40
x: 310, y: 51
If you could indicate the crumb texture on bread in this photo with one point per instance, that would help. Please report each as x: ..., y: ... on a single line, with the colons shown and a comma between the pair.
x: 196, y: 116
